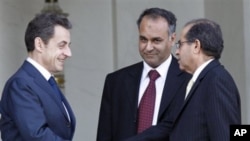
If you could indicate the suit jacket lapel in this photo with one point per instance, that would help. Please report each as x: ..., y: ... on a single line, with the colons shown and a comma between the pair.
x: 203, y: 73
x: 43, y: 84
x: 132, y: 84
x: 170, y: 87
x: 71, y: 114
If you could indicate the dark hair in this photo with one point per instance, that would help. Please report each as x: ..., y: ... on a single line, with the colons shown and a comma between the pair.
x: 43, y: 26
x: 209, y: 34
x: 155, y: 13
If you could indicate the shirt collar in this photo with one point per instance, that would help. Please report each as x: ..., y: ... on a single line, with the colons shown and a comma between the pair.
x: 46, y: 74
x: 199, y: 69
x: 162, y: 69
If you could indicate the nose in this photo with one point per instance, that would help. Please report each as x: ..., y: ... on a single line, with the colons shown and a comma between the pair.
x: 149, y: 46
x: 177, y: 52
x: 67, y: 52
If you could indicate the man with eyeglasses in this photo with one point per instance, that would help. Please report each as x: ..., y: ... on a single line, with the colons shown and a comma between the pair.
x: 212, y: 101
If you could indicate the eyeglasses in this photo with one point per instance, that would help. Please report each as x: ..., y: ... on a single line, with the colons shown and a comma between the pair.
x: 179, y: 43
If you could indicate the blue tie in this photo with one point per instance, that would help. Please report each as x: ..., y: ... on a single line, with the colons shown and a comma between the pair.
x: 53, y: 83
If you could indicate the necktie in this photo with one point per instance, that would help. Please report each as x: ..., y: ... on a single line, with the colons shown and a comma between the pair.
x: 189, y: 86
x: 53, y: 83
x: 147, y: 104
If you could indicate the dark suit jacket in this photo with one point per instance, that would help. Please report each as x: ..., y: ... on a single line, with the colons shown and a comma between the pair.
x: 31, y: 110
x: 211, y: 106
x: 118, y: 112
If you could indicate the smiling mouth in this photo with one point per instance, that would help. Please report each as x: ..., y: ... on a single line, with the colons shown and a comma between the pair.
x: 150, y: 54
x: 61, y: 60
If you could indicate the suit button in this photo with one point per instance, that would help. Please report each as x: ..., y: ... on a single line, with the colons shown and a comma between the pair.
x: 68, y: 125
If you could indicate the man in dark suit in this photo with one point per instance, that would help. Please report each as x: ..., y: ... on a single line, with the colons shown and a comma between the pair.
x: 31, y: 110
x: 212, y: 99
x: 124, y: 89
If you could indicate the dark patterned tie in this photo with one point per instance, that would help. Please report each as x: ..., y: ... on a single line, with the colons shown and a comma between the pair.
x: 147, y: 104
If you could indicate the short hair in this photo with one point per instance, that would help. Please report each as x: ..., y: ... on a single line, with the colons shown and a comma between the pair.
x: 155, y: 13
x: 43, y: 26
x: 209, y: 34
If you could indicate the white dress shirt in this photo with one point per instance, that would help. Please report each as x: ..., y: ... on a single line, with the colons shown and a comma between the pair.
x: 159, y: 84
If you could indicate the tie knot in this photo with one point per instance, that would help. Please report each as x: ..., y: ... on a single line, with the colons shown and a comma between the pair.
x: 52, y: 81
x: 153, y: 75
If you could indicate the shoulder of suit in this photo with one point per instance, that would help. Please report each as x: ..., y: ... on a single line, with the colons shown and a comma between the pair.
x: 133, y: 67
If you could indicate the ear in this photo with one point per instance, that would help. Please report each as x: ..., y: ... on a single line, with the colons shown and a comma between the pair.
x: 39, y: 44
x: 172, y: 38
x: 197, y: 48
